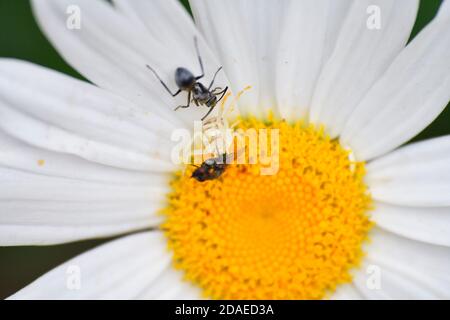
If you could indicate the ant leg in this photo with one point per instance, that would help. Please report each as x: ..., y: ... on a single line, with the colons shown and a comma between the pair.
x: 196, y: 102
x: 162, y: 82
x: 214, y: 78
x: 199, y: 59
x: 188, y: 103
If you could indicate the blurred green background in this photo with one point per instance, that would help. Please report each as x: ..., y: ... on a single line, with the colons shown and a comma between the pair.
x: 20, y: 38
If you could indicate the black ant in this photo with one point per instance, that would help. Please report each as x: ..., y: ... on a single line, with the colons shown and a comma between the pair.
x: 186, y: 81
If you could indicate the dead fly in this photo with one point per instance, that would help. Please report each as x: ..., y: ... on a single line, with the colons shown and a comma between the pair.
x: 211, y: 168
x: 197, y: 92
x: 216, y: 131
x: 220, y: 134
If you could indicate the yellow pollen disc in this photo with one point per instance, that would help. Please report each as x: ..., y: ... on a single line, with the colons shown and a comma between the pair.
x: 292, y: 235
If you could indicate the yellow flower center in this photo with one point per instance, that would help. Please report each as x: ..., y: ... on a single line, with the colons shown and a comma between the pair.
x: 292, y: 235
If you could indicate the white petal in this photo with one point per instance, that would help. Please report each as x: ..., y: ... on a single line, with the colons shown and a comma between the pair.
x: 52, y: 111
x: 407, y: 269
x: 37, y: 209
x: 409, y: 95
x: 415, y: 175
x: 308, y: 33
x: 121, y: 269
x: 24, y: 223
x: 112, y: 49
x: 48, y: 197
x: 360, y: 57
x: 337, y: 15
x: 346, y: 292
x: 170, y: 285
x: 431, y: 225
x: 394, y: 286
x: 16, y: 154
x: 245, y: 36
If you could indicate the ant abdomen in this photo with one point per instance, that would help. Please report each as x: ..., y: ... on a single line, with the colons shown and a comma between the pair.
x: 184, y: 78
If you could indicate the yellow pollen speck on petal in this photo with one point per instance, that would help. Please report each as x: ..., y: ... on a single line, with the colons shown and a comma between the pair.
x: 41, y: 162
x: 292, y: 235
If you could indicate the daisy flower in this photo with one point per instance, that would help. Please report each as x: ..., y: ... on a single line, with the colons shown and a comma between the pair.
x: 349, y: 214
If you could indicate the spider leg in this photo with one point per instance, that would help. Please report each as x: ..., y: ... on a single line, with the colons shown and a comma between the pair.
x: 222, y: 93
x: 213, y: 106
x: 188, y: 103
x: 162, y: 82
x: 199, y: 59
x: 209, y: 111
x: 216, y: 90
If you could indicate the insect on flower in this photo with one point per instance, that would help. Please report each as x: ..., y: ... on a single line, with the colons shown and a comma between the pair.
x: 214, y: 167
x: 211, y: 168
x: 197, y: 92
x: 219, y: 133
